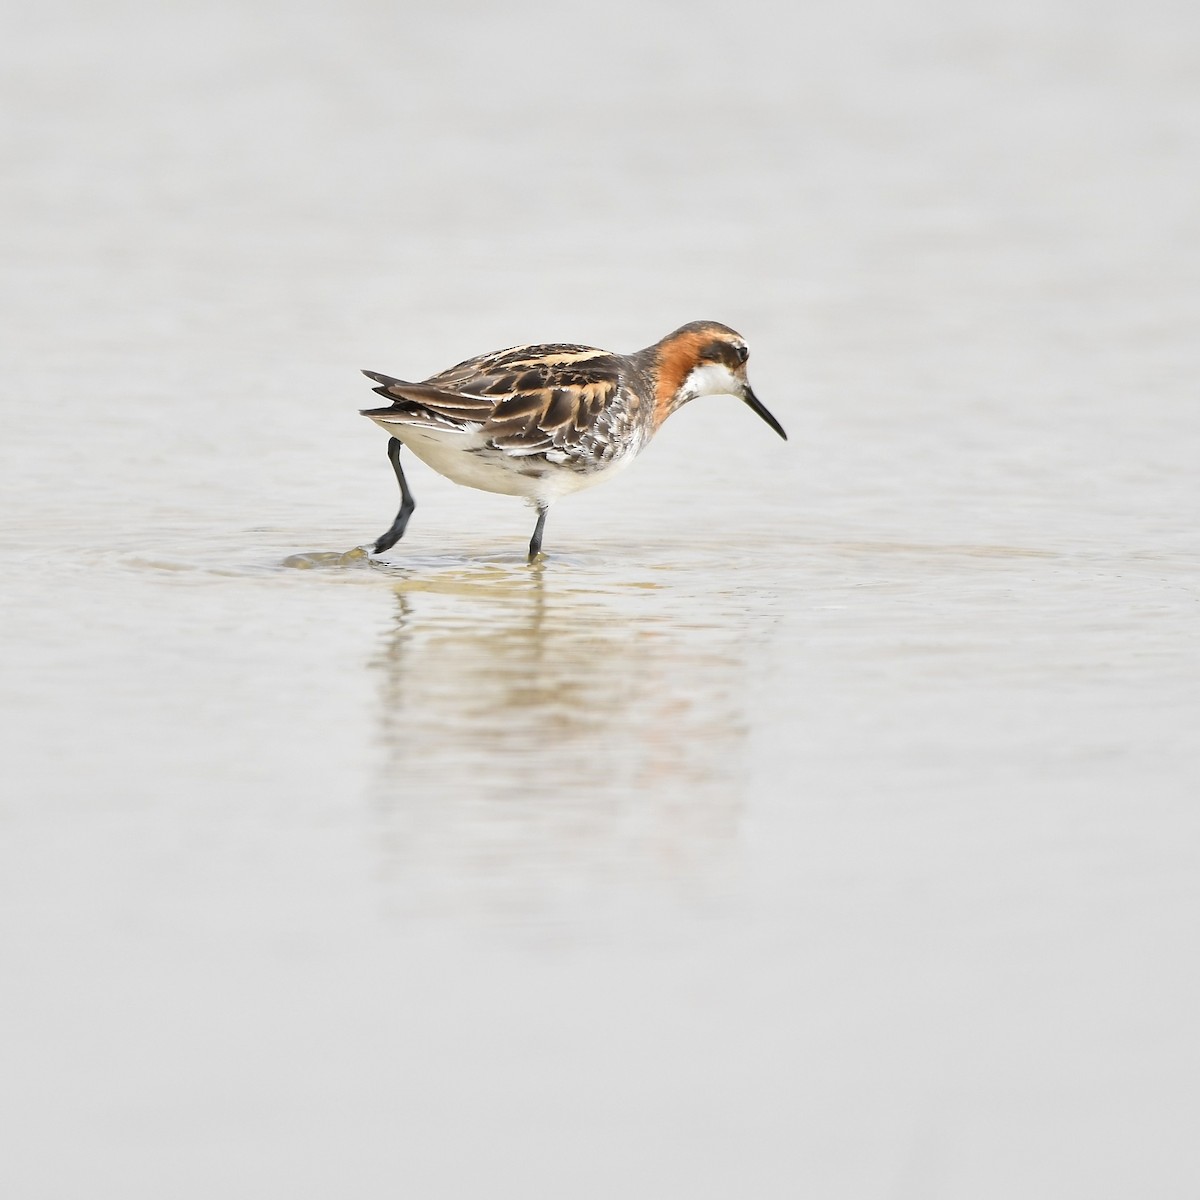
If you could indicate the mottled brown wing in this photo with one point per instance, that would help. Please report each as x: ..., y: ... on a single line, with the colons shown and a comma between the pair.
x: 455, y: 406
x: 554, y: 417
x: 529, y: 399
x: 510, y: 370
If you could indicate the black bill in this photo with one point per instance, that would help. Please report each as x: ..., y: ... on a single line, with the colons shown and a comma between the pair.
x: 757, y: 406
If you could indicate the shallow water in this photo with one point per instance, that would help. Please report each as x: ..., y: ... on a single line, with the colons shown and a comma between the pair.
x: 815, y: 818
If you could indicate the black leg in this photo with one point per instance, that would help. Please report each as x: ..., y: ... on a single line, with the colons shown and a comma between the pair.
x: 407, y: 504
x: 535, y: 543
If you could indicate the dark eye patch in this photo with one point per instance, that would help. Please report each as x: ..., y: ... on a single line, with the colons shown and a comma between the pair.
x: 729, y: 353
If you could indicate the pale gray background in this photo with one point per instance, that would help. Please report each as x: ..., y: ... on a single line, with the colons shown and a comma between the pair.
x: 820, y: 820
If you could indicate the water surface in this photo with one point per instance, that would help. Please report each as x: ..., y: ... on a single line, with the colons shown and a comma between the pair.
x: 816, y: 818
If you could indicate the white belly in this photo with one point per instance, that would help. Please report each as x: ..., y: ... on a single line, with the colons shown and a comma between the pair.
x: 461, y: 456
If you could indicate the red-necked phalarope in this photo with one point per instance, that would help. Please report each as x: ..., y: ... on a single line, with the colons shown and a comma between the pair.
x: 543, y: 421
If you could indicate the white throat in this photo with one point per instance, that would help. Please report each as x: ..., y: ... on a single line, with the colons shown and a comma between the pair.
x: 711, y: 379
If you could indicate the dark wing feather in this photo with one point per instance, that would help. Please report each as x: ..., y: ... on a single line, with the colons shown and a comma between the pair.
x: 518, y: 368
x: 529, y: 399
x: 421, y: 398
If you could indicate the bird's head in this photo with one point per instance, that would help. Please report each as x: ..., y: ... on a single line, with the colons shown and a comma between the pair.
x: 704, y: 358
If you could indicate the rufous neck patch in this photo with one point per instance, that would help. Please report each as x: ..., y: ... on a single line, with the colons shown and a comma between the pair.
x: 676, y: 359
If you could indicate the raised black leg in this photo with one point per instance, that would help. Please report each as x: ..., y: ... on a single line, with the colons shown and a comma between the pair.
x: 407, y: 503
x: 535, y: 543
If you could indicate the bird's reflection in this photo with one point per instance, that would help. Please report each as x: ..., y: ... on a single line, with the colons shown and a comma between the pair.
x: 543, y: 743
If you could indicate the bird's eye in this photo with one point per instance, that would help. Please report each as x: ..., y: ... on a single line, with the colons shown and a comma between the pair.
x: 741, y: 351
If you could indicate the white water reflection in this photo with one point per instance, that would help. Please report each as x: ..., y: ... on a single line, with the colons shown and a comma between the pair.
x: 542, y: 740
